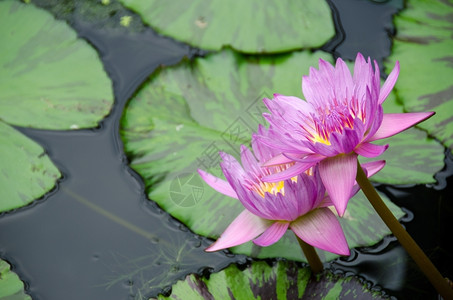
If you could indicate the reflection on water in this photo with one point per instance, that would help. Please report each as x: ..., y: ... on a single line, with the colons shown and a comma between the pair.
x: 98, y: 237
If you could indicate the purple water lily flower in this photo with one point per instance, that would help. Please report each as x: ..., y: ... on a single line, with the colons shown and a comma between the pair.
x: 342, y: 115
x: 299, y: 203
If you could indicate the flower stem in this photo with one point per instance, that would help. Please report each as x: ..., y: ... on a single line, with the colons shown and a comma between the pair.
x: 312, y: 257
x: 423, y: 262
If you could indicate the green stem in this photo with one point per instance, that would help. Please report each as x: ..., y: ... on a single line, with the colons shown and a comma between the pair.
x: 423, y: 262
x: 312, y: 257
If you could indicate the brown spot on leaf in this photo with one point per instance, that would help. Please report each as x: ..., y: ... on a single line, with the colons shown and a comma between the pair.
x: 423, y: 40
x: 436, y: 99
x: 447, y: 17
x: 197, y: 283
x: 447, y: 59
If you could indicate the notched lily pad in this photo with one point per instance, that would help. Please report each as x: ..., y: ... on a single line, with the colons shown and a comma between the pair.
x: 50, y: 80
x: 184, y: 115
x: 282, y: 280
x: 26, y: 172
x: 423, y: 46
x: 11, y: 287
x: 412, y: 156
x: 257, y: 26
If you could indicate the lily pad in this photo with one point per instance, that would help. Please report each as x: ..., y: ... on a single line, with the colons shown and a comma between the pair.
x: 11, y: 287
x: 50, y: 80
x: 26, y: 172
x: 423, y: 46
x: 412, y: 156
x: 282, y: 280
x: 179, y: 121
x: 255, y: 26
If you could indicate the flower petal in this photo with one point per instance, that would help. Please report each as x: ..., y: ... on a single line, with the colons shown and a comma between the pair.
x: 343, y: 80
x: 338, y: 175
x: 370, y: 150
x: 249, y: 161
x: 231, y: 168
x: 292, y: 171
x: 244, y: 228
x: 373, y: 167
x: 389, y: 83
x: 218, y: 184
x: 370, y: 168
x: 395, y: 123
x: 321, y: 229
x: 278, y: 160
x: 272, y: 234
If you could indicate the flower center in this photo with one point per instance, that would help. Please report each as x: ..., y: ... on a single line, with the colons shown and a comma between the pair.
x: 327, y: 120
x: 271, y: 187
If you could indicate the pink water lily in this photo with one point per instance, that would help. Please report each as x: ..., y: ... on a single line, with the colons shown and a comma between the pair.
x: 299, y: 203
x: 339, y: 120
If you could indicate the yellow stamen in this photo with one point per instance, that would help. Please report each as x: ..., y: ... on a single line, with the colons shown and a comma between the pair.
x: 318, y: 139
x: 272, y: 187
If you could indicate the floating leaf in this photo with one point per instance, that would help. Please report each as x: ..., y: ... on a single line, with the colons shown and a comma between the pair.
x: 26, y: 172
x: 412, y: 156
x: 11, y: 287
x: 248, y: 26
x: 423, y: 46
x: 283, y: 280
x: 179, y: 121
x: 50, y: 79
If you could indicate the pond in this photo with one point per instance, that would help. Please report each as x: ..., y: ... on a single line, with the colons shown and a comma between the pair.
x: 96, y: 235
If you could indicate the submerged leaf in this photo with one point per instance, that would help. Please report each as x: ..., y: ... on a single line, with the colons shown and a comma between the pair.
x: 255, y: 26
x: 283, y: 280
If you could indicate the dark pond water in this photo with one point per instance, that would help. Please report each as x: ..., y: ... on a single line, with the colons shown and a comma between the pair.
x: 96, y: 236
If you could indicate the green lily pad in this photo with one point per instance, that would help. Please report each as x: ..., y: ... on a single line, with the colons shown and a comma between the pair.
x: 412, y: 156
x: 248, y: 26
x: 282, y: 280
x: 423, y: 46
x: 50, y: 80
x: 179, y: 121
x: 26, y: 172
x: 11, y: 287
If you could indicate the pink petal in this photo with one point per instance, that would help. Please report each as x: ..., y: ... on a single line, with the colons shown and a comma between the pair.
x: 292, y: 171
x: 218, y: 184
x: 370, y: 168
x: 249, y: 161
x: 272, y: 143
x: 370, y: 150
x: 244, y: 228
x: 343, y: 79
x: 344, y: 142
x: 395, y: 123
x: 389, y: 83
x: 373, y: 167
x: 272, y: 234
x: 278, y: 160
x: 321, y: 229
x: 338, y: 175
